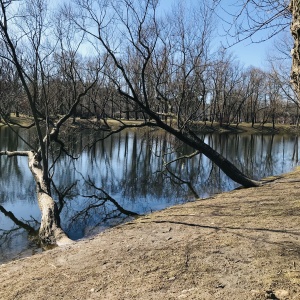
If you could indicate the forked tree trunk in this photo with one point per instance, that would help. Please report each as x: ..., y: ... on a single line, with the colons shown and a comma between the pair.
x: 50, y: 231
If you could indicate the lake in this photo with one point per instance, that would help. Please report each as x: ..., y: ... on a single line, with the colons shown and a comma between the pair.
x: 131, y: 172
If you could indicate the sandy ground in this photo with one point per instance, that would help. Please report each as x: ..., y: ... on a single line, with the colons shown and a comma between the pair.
x: 243, y: 244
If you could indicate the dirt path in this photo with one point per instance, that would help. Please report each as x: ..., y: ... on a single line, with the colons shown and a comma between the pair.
x: 243, y: 244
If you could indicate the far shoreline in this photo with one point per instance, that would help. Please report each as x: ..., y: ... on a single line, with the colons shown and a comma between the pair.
x: 200, y: 127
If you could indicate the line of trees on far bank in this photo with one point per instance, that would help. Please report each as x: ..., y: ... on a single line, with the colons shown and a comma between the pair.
x: 223, y: 92
x: 183, y: 78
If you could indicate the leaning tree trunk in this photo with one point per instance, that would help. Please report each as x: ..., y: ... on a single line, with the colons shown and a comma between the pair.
x: 197, y: 143
x: 295, y: 30
x: 50, y: 231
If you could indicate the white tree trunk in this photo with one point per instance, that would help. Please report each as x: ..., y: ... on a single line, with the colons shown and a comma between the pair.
x: 50, y: 231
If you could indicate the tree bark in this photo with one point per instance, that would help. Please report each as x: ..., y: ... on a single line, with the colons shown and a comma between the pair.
x: 295, y: 30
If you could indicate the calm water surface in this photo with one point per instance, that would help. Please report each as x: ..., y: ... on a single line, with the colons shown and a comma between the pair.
x: 123, y: 174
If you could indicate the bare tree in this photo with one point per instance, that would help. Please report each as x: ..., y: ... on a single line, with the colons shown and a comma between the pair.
x: 228, y: 93
x: 280, y: 65
x: 255, y: 106
x: 26, y: 33
x: 9, y: 89
x: 167, y: 55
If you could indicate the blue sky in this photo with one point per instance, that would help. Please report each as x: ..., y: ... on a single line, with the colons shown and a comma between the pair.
x: 252, y: 54
x: 247, y: 53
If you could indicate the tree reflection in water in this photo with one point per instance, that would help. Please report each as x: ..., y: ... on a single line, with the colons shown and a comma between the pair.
x: 126, y: 175
x: 11, y: 237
